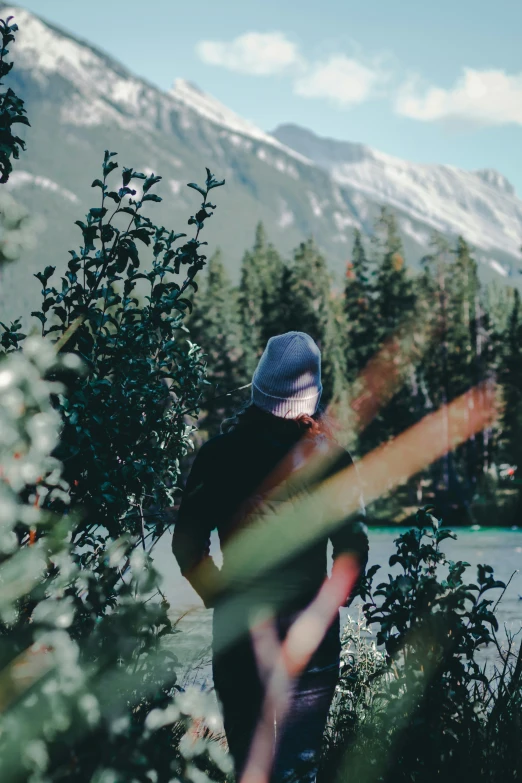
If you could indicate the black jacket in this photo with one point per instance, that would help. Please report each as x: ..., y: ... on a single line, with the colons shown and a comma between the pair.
x: 222, y: 487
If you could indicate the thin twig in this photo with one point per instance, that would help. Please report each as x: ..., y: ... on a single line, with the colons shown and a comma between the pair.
x: 504, y: 590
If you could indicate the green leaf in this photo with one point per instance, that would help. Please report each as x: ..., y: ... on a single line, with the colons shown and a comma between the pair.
x: 152, y: 197
x: 126, y: 176
x: 149, y: 182
x: 142, y: 234
x: 44, y: 276
x: 20, y: 119
x: 98, y: 212
x: 110, y: 166
x: 197, y: 187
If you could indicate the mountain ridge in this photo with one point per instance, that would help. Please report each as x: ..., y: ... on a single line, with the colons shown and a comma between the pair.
x: 447, y: 198
x: 490, y: 176
x: 80, y: 101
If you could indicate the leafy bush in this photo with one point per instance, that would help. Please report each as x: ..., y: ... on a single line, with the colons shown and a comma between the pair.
x: 93, y: 425
x: 434, y: 712
x: 12, y: 109
x: 88, y: 679
x: 84, y: 479
x: 125, y: 426
x: 356, y: 700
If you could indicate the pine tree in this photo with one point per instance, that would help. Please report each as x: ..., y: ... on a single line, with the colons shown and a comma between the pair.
x: 215, y: 326
x: 393, y: 309
x: 432, y: 373
x: 307, y: 305
x: 462, y: 352
x: 335, y: 380
x: 272, y: 286
x: 511, y: 382
x: 308, y: 293
x: 271, y: 268
x: 259, y: 295
x: 250, y: 298
x: 463, y: 315
x: 362, y: 337
x: 394, y: 295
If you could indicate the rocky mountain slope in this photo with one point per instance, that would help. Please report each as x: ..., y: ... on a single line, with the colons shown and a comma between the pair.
x: 480, y: 205
x: 80, y: 102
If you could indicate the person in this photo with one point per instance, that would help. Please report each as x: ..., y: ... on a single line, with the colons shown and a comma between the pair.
x: 234, y: 480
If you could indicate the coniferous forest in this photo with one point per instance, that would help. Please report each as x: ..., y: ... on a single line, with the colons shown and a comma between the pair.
x: 396, y: 345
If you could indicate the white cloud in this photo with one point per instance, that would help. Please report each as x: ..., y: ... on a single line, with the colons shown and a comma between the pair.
x: 259, y: 54
x: 344, y: 80
x: 490, y: 97
x: 341, y: 79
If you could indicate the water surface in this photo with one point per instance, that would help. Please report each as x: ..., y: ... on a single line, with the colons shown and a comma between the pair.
x: 499, y: 548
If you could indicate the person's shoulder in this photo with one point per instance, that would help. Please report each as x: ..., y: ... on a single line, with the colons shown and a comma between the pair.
x: 217, y: 445
x: 339, y: 458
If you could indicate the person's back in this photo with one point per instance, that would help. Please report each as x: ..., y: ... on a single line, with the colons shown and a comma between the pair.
x: 239, y: 480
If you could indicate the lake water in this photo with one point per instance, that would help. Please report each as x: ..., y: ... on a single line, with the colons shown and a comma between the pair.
x: 499, y: 548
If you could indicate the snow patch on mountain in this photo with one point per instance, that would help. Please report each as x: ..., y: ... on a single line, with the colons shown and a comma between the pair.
x: 449, y: 200
x: 496, y: 179
x: 498, y: 267
x: 39, y: 45
x: 317, y: 205
x: 480, y: 205
x: 343, y: 221
x: 418, y: 235
x: 19, y: 179
x: 286, y: 217
x: 188, y: 94
x: 89, y: 113
x: 238, y: 141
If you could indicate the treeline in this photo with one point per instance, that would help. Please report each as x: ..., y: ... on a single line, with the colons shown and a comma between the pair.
x: 396, y: 346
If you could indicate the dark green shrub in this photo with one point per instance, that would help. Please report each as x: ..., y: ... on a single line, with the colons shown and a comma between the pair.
x: 437, y: 713
x: 12, y: 109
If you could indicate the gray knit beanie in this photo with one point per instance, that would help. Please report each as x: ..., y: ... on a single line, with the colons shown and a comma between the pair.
x: 287, y: 380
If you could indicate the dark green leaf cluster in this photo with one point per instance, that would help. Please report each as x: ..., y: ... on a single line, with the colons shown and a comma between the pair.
x: 12, y: 109
x: 122, y: 378
x: 12, y: 336
x: 432, y: 624
x: 422, y: 704
x: 124, y: 425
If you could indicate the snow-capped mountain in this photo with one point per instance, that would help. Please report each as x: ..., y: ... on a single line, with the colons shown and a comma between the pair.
x: 188, y: 95
x: 480, y: 205
x: 80, y: 102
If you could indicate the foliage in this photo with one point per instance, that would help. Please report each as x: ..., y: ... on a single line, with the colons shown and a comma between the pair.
x: 18, y: 230
x: 511, y: 376
x: 432, y: 712
x: 125, y: 428
x: 88, y: 686
x: 12, y: 109
x: 216, y: 328
x: 82, y: 611
x: 362, y: 335
x: 356, y: 697
x: 93, y: 426
x: 250, y: 298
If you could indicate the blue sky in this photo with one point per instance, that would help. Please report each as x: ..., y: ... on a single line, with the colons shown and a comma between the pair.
x: 429, y: 82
